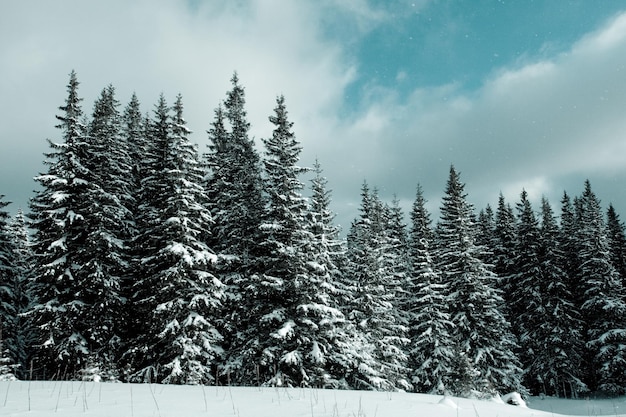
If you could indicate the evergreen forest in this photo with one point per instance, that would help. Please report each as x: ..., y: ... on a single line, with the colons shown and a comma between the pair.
x: 144, y: 259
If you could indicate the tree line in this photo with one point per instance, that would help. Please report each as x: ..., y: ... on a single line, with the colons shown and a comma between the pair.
x: 143, y: 260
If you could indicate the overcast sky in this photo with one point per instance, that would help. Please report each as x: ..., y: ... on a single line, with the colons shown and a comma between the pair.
x: 515, y: 94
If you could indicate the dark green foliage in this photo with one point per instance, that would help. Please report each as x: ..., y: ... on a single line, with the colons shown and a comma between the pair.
x: 432, y: 353
x: 481, y: 331
x: 603, y: 307
x: 176, y: 296
x: 617, y: 242
x: 59, y: 219
x: 375, y: 287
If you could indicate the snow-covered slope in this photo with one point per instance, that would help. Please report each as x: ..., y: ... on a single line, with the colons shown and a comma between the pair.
x: 39, y: 399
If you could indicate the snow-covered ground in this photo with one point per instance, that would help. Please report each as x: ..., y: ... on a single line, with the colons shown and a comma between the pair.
x: 38, y: 399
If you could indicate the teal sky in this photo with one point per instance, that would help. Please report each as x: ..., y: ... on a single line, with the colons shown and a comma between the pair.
x: 431, y: 43
x: 516, y: 94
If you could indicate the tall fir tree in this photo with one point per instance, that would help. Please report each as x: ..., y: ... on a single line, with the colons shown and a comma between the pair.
x: 617, y: 242
x: 604, y: 308
x: 23, y: 276
x: 483, y: 335
x: 58, y: 217
x: 556, y: 368
x: 346, y: 347
x: 235, y: 181
x: 569, y: 244
x: 432, y: 349
x: 526, y: 304
x: 278, y: 341
x: 109, y: 222
x: 374, y: 290
x: 8, y: 304
x: 505, y: 234
x: 234, y: 185
x: 176, y: 293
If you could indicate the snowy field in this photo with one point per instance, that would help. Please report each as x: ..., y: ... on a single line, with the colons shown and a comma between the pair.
x: 37, y: 399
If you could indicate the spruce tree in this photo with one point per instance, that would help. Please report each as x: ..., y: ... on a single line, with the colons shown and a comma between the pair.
x: 23, y: 276
x: 482, y: 333
x: 176, y: 297
x: 556, y: 367
x: 372, y: 306
x: 617, y: 242
x: 526, y: 306
x: 279, y: 337
x: 58, y: 217
x: 504, y: 248
x: 347, y: 351
x: 235, y: 182
x: 432, y: 348
x: 105, y: 251
x: 8, y: 303
x: 604, y: 308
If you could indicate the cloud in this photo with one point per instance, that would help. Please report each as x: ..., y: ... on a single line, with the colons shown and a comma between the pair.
x: 159, y: 46
x: 540, y: 125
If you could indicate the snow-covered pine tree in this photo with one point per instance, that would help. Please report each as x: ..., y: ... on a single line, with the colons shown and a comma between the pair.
x: 23, y: 268
x: 555, y: 368
x: 604, y: 308
x: 235, y: 188
x: 347, y: 356
x: 279, y: 341
x: 504, y: 247
x: 526, y: 304
x: 176, y: 296
x: 568, y: 242
x: 432, y: 349
x: 617, y: 242
x: 235, y: 183
x: 58, y: 218
x: 372, y: 307
x: 485, y: 234
x: 481, y: 331
x: 393, y: 258
x: 8, y: 302
x: 134, y: 133
x: 104, y: 253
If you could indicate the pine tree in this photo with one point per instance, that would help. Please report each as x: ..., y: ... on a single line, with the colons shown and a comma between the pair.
x: 237, y: 204
x: 58, y: 219
x: 481, y: 331
x: 485, y: 234
x: 235, y: 181
x: 617, y: 242
x: 104, y: 253
x: 504, y: 246
x: 372, y: 308
x: 348, y: 350
x: 176, y: 293
x: 556, y: 365
x: 23, y: 276
x: 432, y: 349
x: 8, y: 303
x: 134, y: 134
x: 604, y: 308
x: 569, y: 244
x: 277, y: 338
x: 526, y: 306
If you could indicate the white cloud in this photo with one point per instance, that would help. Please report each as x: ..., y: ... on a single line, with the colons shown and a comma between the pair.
x: 539, y: 126
x: 150, y: 47
x: 529, y: 126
